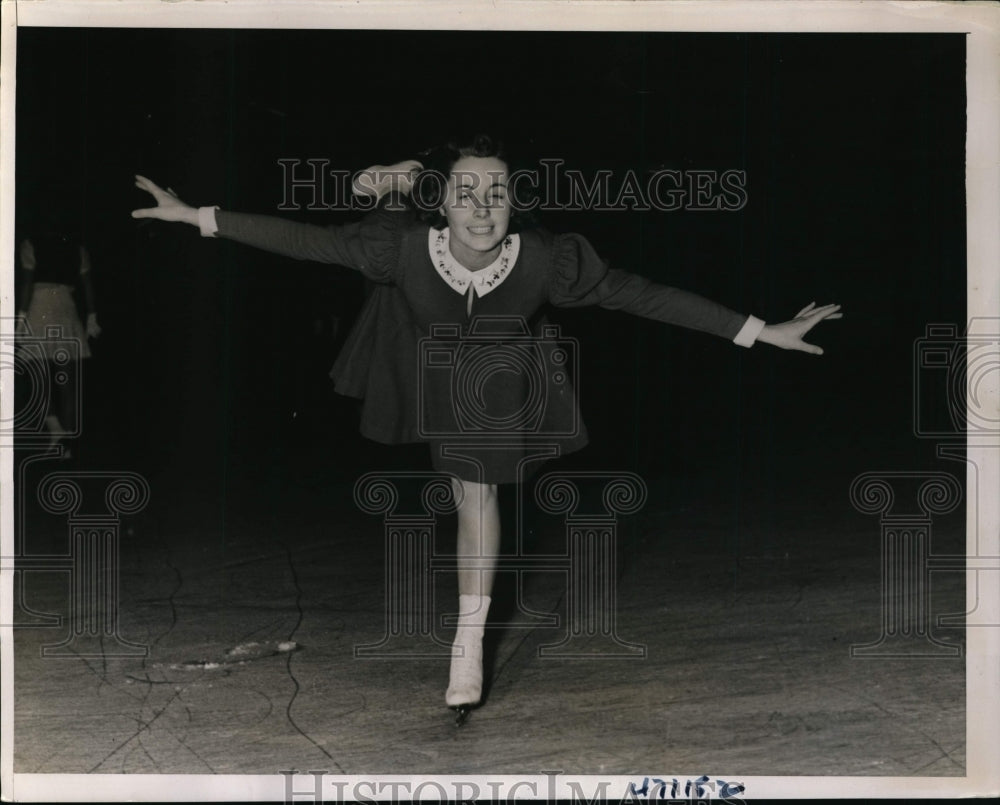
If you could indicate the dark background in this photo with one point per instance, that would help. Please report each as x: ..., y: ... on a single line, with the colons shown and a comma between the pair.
x: 212, y: 365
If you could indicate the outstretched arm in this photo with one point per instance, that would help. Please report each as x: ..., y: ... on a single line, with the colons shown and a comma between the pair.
x: 580, y: 277
x: 789, y: 334
x: 168, y: 206
x: 368, y: 246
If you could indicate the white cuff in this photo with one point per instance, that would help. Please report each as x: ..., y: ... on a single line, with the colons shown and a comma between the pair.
x: 748, y: 334
x: 206, y: 221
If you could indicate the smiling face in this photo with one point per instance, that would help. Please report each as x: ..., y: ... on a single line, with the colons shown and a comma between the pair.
x: 477, y: 210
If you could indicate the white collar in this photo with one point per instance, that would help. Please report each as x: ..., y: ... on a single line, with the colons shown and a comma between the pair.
x: 458, y: 276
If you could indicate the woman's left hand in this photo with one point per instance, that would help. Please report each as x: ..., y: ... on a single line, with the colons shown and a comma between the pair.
x: 788, y: 335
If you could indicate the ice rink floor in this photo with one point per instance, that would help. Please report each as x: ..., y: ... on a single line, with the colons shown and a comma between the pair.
x: 251, y: 612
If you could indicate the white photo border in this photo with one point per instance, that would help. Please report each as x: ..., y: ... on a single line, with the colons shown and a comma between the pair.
x: 981, y: 23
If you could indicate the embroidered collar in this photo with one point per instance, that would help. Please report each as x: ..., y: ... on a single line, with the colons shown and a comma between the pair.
x: 459, y: 277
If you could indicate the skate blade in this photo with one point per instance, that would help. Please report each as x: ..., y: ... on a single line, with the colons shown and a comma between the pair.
x: 461, y: 713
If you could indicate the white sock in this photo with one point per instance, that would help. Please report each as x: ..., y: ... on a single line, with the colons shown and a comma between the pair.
x: 465, y: 685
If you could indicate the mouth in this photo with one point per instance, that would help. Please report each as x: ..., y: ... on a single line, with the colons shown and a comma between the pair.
x: 481, y: 230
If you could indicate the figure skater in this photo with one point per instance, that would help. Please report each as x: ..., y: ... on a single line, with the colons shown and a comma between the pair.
x: 53, y: 265
x: 462, y: 265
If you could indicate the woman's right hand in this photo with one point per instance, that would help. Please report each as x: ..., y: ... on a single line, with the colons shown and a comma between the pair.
x: 168, y: 206
x: 381, y: 179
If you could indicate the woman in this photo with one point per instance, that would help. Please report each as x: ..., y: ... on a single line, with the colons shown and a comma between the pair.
x: 53, y: 264
x: 437, y: 282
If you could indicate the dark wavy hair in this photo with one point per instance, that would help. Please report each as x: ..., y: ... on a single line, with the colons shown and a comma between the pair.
x: 438, y: 161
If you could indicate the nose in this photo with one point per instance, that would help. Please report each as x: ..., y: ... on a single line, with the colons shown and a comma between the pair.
x: 481, y: 211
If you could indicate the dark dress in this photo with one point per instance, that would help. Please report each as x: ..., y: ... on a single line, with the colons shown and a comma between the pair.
x: 490, y: 389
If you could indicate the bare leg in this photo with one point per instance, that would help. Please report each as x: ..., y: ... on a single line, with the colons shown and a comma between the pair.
x: 477, y: 549
x: 478, y: 536
x: 62, y: 415
x: 65, y: 394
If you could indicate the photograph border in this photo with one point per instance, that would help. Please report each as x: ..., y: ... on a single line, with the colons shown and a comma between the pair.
x: 981, y: 23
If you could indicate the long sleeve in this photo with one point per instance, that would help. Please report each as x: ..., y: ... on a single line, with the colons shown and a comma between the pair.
x: 370, y: 246
x: 579, y: 277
